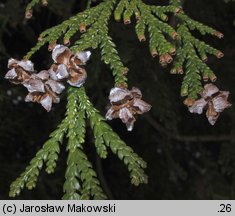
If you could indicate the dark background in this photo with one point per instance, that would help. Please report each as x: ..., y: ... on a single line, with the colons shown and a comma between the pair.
x: 187, y: 158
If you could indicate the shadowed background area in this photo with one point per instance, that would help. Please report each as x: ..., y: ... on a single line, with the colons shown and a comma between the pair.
x: 187, y: 158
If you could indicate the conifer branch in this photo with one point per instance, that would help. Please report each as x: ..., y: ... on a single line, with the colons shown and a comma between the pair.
x: 102, y: 130
x: 170, y: 43
x: 79, y: 168
x: 192, y: 55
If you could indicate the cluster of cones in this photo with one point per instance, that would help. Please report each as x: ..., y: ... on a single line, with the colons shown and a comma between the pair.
x: 212, y: 100
x: 46, y: 86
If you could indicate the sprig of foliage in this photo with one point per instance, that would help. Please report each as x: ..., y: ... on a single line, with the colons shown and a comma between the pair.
x: 81, y: 180
x: 79, y: 168
x: 31, y: 5
x: 192, y: 54
x: 91, y: 26
x: 154, y: 18
x: 107, y: 138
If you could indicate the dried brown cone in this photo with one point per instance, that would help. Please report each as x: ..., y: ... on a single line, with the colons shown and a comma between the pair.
x: 19, y: 70
x: 213, y: 101
x: 69, y: 66
x: 43, y: 90
x: 126, y: 105
x: 77, y: 77
x: 61, y: 55
x: 46, y: 100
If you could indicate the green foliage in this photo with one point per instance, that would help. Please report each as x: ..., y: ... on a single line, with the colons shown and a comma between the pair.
x: 91, y: 26
x: 191, y: 52
x: 192, y: 55
x: 145, y: 17
x: 81, y: 180
x: 107, y: 138
x: 79, y: 168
